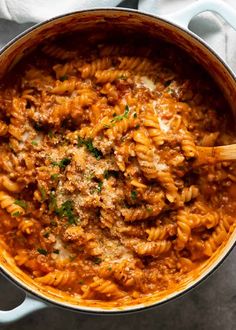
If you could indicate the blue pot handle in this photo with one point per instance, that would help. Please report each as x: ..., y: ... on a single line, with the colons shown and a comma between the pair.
x: 28, y: 306
x: 183, y: 17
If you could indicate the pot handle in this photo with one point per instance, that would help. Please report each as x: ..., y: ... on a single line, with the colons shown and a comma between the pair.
x: 183, y: 17
x: 28, y: 306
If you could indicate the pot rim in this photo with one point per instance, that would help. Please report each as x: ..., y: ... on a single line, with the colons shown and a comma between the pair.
x: 177, y: 294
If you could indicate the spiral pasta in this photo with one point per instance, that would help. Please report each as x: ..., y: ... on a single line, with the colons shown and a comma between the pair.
x: 150, y: 248
x: 58, y: 278
x: 103, y: 287
x: 104, y: 76
x: 90, y: 69
x: 7, y: 202
x: 150, y: 121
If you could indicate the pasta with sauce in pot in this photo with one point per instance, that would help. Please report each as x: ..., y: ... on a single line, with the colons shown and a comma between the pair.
x: 98, y: 195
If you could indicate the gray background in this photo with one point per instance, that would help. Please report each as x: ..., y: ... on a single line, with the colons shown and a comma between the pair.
x: 212, y: 305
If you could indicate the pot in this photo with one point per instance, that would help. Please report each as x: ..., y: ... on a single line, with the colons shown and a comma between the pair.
x: 173, y: 28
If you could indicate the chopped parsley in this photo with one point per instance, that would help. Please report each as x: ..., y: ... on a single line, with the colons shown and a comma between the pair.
x: 123, y: 77
x: 171, y: 91
x: 149, y: 209
x: 50, y: 134
x: 167, y: 83
x: 34, y: 143
x: 67, y: 210
x: 54, y: 176
x: 89, y: 146
x: 16, y: 214
x: 21, y: 203
x: 89, y: 176
x: 63, y: 78
x: 121, y: 117
x: 135, y: 115
x: 52, y: 202
x: 108, y: 173
x: 53, y: 223
x: 43, y: 193
x: 109, y: 268
x: 42, y: 251
x: 81, y: 282
x: 133, y: 194
x: 99, y: 188
x: 137, y: 126
x: 97, y: 260
x: 56, y: 251
x: 46, y: 235
x: 62, y: 164
x: 38, y: 127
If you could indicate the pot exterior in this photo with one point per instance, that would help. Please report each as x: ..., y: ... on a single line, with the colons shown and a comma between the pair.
x: 95, y: 21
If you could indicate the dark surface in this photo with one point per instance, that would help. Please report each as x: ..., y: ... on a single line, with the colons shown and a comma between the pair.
x: 210, y: 306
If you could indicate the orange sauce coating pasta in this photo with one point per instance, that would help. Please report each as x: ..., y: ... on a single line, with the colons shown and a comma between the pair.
x: 98, y: 196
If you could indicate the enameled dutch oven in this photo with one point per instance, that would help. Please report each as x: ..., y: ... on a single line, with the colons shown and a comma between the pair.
x: 172, y: 28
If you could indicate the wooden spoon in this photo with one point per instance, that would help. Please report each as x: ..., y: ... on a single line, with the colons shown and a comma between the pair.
x: 211, y: 155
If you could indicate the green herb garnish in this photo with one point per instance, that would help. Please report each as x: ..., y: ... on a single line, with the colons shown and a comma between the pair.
x: 89, y: 146
x: 63, y: 163
x: 21, y: 203
x: 43, y: 193
x: 89, y: 176
x: 34, y: 143
x: 149, y: 209
x: 50, y: 134
x: 67, y: 210
x: 46, y: 235
x: 63, y: 78
x: 171, y: 91
x: 38, y: 127
x: 16, y: 214
x: 167, y: 83
x: 52, y: 202
x: 42, y: 251
x: 54, y: 176
x: 134, y: 194
x: 135, y: 115
x: 97, y: 260
x: 81, y: 282
x: 108, y: 173
x: 121, y: 117
x: 56, y: 251
x: 123, y: 77
x: 99, y: 188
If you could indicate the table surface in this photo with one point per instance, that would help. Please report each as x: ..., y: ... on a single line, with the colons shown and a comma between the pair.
x: 211, y: 306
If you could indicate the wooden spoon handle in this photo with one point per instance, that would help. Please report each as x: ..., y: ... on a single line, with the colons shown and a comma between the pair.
x: 211, y: 155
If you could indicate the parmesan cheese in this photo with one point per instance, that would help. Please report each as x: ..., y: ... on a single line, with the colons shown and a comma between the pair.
x: 146, y: 82
x: 64, y: 254
x: 163, y: 126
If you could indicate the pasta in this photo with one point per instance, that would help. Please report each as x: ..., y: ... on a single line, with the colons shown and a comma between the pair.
x: 98, y: 193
